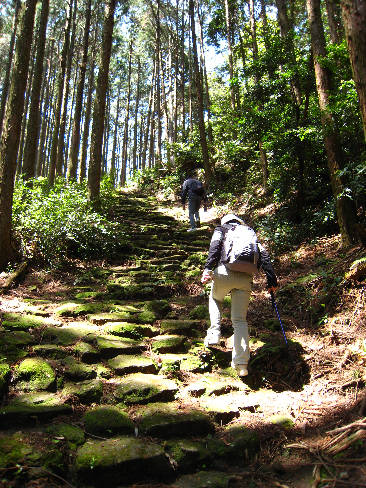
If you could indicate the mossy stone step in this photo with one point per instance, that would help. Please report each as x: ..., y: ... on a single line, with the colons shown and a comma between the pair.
x: 110, y: 346
x: 71, y: 333
x: 130, y: 330
x: 87, y: 392
x: 34, y: 374
x: 121, y: 460
x: 16, y: 322
x: 73, y: 309
x: 139, y: 388
x: 76, y: 371
x: 222, y: 408
x: 190, y: 454
x: 50, y: 351
x: 167, y: 420
x: 176, y: 326
x: 169, y: 343
x: 4, y: 379
x: 132, y: 364
x: 203, y: 479
x: 14, y: 344
x: 85, y: 352
x: 108, y: 420
x: 102, y: 318
x: 143, y: 290
x: 30, y: 415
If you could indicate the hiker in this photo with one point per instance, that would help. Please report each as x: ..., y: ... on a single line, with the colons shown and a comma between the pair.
x: 196, y: 193
x: 234, y: 276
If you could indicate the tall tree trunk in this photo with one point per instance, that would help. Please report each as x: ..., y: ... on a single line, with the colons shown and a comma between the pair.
x: 86, y: 126
x: 354, y: 18
x: 6, y: 83
x: 12, y: 127
x: 137, y: 102
x: 65, y: 103
x: 229, y: 36
x: 123, y: 175
x: 95, y: 163
x: 201, y: 120
x: 75, y: 140
x: 334, y: 20
x: 115, y: 140
x: 346, y: 213
x: 33, y: 126
x: 182, y: 78
x: 59, y: 95
x: 148, y: 117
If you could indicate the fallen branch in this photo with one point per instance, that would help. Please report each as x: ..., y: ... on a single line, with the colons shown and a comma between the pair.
x: 359, y: 423
x: 345, y: 443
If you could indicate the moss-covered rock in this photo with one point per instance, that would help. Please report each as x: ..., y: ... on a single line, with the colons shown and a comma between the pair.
x: 160, y: 308
x: 186, y: 327
x: 169, y: 344
x: 146, y: 317
x: 167, y: 420
x: 76, y: 371
x: 108, y: 420
x: 14, y: 344
x: 73, y: 435
x: 75, y: 309
x: 203, y: 479
x: 86, y: 294
x: 30, y: 415
x: 4, y: 379
x: 130, y: 330
x: 15, y: 450
x: 121, y: 460
x: 102, y: 318
x: 200, y: 312
x: 34, y: 374
x: 71, y: 333
x: 86, y: 392
x: 188, y: 454
x: 86, y: 352
x: 222, y: 409
x: 50, y: 351
x: 244, y: 442
x: 16, y: 322
x: 125, y: 364
x: 144, y: 388
x: 110, y: 346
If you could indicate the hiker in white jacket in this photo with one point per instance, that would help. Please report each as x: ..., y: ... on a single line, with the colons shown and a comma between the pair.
x: 237, y: 283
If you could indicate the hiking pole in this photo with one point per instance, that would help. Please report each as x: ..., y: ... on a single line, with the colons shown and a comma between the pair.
x: 274, y: 305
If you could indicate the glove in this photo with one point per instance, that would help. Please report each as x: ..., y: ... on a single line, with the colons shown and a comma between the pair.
x: 206, y: 276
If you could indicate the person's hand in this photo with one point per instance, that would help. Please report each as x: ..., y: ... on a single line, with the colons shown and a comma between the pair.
x: 184, y: 206
x: 206, y: 276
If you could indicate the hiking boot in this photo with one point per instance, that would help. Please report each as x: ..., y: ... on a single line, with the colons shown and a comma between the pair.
x: 211, y: 341
x: 191, y: 230
x: 241, y: 369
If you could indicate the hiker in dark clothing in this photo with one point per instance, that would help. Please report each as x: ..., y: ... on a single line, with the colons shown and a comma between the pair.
x: 194, y: 190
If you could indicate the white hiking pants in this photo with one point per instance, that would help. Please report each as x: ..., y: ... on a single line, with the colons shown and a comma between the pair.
x: 239, y: 285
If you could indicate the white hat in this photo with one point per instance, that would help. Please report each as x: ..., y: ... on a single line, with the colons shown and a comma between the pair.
x: 229, y: 217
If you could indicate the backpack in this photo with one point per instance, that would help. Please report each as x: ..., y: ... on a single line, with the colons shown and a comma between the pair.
x: 240, y: 249
x: 197, y: 188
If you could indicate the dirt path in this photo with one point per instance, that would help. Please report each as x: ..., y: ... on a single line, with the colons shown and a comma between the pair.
x: 105, y: 380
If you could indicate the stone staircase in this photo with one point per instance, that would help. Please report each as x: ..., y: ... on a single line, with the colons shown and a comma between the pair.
x: 109, y: 384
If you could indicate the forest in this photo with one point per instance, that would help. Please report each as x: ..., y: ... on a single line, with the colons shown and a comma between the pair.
x: 105, y: 108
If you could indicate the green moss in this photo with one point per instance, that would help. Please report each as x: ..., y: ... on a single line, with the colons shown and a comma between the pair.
x: 86, y: 352
x: 87, y: 392
x: 14, y: 321
x: 169, y: 343
x: 160, y: 308
x: 146, y: 317
x: 283, y: 421
x: 4, y: 378
x: 13, y: 345
x: 131, y: 364
x: 50, y: 351
x: 76, y: 371
x: 34, y: 374
x: 143, y: 388
x: 86, y: 294
x: 108, y: 420
x: 14, y: 450
x: 73, y: 435
x: 199, y: 312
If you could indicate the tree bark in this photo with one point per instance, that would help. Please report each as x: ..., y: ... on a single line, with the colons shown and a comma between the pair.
x: 12, y: 128
x: 354, y: 18
x: 346, y: 213
x: 95, y: 163
x: 137, y: 102
x: 115, y: 139
x: 75, y: 139
x: 123, y: 175
x: 229, y: 36
x: 58, y: 106
x: 33, y: 126
x: 334, y: 20
x: 201, y: 120
x: 6, y: 83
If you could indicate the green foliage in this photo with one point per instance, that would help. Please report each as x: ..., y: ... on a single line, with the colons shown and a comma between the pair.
x: 53, y: 223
